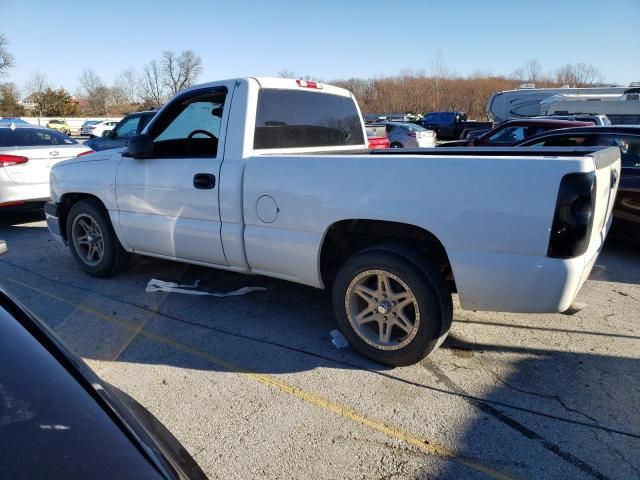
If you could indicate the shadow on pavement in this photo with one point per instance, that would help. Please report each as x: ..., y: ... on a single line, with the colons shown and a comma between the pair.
x: 619, y: 262
x: 20, y: 217
x: 578, y: 411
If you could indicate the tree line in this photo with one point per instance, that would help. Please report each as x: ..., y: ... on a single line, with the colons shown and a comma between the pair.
x: 132, y: 90
x: 408, y: 92
x: 420, y: 92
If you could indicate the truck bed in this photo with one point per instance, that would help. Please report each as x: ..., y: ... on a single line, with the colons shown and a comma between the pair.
x: 464, y: 151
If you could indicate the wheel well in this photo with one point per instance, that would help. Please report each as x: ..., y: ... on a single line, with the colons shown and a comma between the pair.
x: 67, y: 201
x: 346, y: 237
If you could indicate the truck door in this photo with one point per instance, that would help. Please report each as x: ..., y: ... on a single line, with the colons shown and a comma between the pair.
x: 168, y: 203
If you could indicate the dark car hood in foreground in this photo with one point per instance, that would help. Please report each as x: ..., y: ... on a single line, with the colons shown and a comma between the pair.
x: 58, y: 419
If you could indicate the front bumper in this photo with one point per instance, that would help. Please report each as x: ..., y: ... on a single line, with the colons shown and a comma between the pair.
x: 52, y: 214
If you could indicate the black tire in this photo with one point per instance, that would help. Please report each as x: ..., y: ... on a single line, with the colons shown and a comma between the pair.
x: 114, y: 258
x: 397, y: 145
x: 429, y: 290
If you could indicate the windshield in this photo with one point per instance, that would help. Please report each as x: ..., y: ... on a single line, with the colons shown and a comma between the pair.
x: 314, y: 241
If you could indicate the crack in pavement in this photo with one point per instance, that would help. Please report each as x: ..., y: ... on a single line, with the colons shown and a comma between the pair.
x: 537, y: 394
x: 618, y: 453
x: 507, y: 420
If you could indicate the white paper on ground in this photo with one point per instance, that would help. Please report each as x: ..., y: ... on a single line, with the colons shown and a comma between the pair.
x: 156, y: 285
x: 338, y: 339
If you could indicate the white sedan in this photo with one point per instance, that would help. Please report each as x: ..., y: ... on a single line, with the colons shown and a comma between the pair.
x: 96, y: 129
x: 405, y: 135
x: 27, y: 154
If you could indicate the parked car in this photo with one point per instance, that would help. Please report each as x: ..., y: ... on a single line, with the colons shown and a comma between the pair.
x: 27, y: 154
x: 129, y: 126
x: 595, y: 119
x: 375, y: 142
x: 60, y: 420
x: 98, y: 128
x: 452, y: 125
x: 626, y: 210
x: 279, y: 182
x: 514, y: 131
x: 405, y: 135
x: 84, y: 129
x: 59, y: 125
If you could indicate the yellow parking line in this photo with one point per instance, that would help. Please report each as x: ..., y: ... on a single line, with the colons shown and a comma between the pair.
x: 271, y: 381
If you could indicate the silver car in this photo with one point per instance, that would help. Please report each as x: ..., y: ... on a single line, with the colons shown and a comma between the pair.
x: 405, y: 135
x: 27, y: 154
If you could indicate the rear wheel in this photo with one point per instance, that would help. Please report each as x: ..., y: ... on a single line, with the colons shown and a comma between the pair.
x: 396, y: 145
x: 392, y: 305
x: 92, y: 241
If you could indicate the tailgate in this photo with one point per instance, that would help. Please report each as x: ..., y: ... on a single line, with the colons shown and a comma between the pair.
x: 607, y: 164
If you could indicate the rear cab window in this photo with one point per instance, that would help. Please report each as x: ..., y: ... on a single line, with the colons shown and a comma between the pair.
x: 300, y: 119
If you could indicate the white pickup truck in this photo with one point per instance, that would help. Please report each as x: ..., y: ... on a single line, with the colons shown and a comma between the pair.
x: 272, y: 177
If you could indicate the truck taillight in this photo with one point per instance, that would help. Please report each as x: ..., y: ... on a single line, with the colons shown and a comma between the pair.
x: 411, y: 134
x: 573, y: 219
x: 308, y: 84
x: 8, y: 160
x: 85, y: 153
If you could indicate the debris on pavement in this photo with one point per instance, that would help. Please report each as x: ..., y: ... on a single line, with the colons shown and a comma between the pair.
x: 338, y: 339
x: 156, y: 285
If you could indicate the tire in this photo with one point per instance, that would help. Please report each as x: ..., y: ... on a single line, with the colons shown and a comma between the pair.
x: 397, y: 145
x: 108, y: 257
x: 429, y: 312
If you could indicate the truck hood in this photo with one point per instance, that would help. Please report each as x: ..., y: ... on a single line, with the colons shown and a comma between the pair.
x: 92, y: 157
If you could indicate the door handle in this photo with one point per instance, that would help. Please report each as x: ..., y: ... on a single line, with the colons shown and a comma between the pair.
x: 204, y: 181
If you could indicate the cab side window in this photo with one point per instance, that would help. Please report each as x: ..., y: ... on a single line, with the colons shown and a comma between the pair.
x: 190, y: 127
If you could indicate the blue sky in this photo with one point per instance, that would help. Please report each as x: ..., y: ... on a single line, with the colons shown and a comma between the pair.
x: 325, y: 39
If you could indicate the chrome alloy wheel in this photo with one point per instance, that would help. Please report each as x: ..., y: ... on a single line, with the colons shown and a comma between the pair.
x: 382, y: 309
x: 87, y: 239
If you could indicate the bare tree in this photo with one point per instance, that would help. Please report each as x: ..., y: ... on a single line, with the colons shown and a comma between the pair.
x: 286, y: 73
x: 533, y: 71
x: 440, y: 74
x: 180, y: 71
x: 153, y: 89
x: 98, y: 94
x: 579, y: 75
x: 588, y: 74
x: 128, y: 85
x: 6, y: 59
x: 36, y: 87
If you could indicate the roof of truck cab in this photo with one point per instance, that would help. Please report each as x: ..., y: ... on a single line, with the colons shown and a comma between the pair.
x: 277, y: 83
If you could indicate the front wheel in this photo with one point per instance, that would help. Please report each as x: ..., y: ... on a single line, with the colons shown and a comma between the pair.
x: 392, y: 305
x: 397, y: 145
x: 92, y: 241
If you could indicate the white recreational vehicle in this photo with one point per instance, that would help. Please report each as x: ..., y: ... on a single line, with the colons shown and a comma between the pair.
x: 525, y: 102
x: 621, y: 109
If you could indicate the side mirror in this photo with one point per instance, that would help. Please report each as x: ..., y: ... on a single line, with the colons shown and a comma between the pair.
x: 3, y: 247
x: 140, y: 146
x: 107, y: 134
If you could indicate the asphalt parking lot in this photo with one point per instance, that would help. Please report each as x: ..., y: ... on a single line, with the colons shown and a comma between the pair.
x: 254, y: 388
